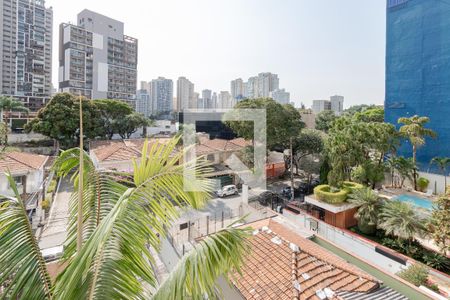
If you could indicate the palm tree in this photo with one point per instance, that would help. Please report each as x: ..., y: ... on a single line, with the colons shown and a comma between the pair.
x: 10, y: 104
x: 400, y: 219
x: 414, y: 129
x: 442, y: 163
x: 123, y: 215
x: 369, y: 205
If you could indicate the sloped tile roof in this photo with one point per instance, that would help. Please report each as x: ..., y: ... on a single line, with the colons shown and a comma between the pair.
x: 123, y: 150
x: 276, y: 269
x: 17, y: 162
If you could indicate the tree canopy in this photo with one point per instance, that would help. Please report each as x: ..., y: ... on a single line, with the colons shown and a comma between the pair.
x: 352, y: 143
x: 325, y: 119
x: 102, y: 118
x: 283, y: 121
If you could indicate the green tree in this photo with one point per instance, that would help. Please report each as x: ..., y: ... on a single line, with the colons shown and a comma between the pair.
x: 414, y: 130
x: 130, y: 124
x: 60, y: 120
x: 324, y: 120
x: 370, y: 115
x: 282, y: 121
x: 121, y: 219
x: 369, y: 206
x: 440, y: 223
x: 308, y: 142
x: 112, y: 112
x: 352, y: 110
x: 442, y: 163
x: 401, y: 220
x: 352, y: 143
x: 10, y: 104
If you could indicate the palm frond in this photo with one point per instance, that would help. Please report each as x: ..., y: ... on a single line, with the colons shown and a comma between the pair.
x: 22, y: 267
x: 114, y: 260
x: 197, y: 272
x: 399, y: 219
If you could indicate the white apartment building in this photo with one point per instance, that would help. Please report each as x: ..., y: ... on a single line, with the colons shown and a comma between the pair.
x: 281, y: 96
x: 96, y: 59
x: 237, y: 89
x: 185, y: 94
x: 26, y: 28
x: 225, y: 100
x: 337, y: 104
x: 321, y: 105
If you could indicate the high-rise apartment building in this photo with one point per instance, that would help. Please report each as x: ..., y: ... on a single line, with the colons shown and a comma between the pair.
x: 207, y: 99
x: 267, y: 82
x: 185, y: 94
x: 281, y: 96
x: 337, y: 104
x: 252, y: 87
x: 144, y: 103
x: 418, y: 70
x: 214, y: 101
x: 321, y: 105
x: 225, y: 100
x: 96, y: 59
x: 162, y: 94
x: 26, y: 51
x: 237, y: 89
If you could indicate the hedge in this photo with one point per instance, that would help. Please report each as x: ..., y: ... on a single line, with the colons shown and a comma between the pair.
x: 323, y: 193
x: 351, y: 186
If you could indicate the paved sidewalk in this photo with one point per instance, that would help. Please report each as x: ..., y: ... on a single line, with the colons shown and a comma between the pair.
x: 55, y: 231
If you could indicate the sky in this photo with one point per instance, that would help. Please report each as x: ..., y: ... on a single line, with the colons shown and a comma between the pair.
x: 318, y: 48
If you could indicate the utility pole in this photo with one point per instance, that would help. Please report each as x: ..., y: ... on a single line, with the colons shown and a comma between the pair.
x: 292, y: 169
x: 80, y: 184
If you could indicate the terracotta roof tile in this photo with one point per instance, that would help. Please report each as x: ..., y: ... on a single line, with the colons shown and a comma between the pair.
x: 270, y: 270
x: 21, y: 161
x: 122, y: 150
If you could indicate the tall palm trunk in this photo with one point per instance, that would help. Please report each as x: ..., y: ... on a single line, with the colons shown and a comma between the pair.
x: 415, y: 169
x: 80, y: 186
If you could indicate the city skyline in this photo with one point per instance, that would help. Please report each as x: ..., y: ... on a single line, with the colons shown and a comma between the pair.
x: 347, y: 59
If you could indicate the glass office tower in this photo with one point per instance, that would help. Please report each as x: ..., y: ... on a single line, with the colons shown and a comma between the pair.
x: 418, y: 70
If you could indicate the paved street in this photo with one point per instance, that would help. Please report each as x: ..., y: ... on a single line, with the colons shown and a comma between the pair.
x: 54, y: 233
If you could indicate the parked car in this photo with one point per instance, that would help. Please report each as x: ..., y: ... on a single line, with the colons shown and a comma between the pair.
x: 286, y: 192
x: 227, y: 190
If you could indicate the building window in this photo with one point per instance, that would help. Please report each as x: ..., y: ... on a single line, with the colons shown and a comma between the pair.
x: 18, y: 180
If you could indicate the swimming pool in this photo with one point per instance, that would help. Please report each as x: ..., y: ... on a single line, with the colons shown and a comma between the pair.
x: 414, y: 200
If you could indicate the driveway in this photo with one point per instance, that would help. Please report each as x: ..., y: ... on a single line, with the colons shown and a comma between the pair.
x: 55, y: 231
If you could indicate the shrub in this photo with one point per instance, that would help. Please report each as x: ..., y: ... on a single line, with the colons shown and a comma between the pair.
x: 45, y: 205
x: 416, y: 274
x: 52, y: 186
x: 423, y: 183
x: 351, y: 186
x: 324, y: 193
x: 437, y: 261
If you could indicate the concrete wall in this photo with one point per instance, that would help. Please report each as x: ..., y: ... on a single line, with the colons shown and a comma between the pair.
x: 350, y: 243
x: 25, y: 137
x: 436, y: 182
x: 33, y: 181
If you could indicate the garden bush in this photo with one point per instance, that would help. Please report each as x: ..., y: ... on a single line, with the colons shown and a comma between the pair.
x: 416, y: 274
x: 324, y: 193
x: 351, y: 186
x: 45, y: 205
x: 423, y: 183
x: 52, y: 186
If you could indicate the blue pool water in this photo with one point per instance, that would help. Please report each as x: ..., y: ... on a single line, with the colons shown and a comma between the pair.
x: 414, y: 200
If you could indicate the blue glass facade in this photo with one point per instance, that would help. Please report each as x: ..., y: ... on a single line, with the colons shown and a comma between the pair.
x: 418, y: 70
